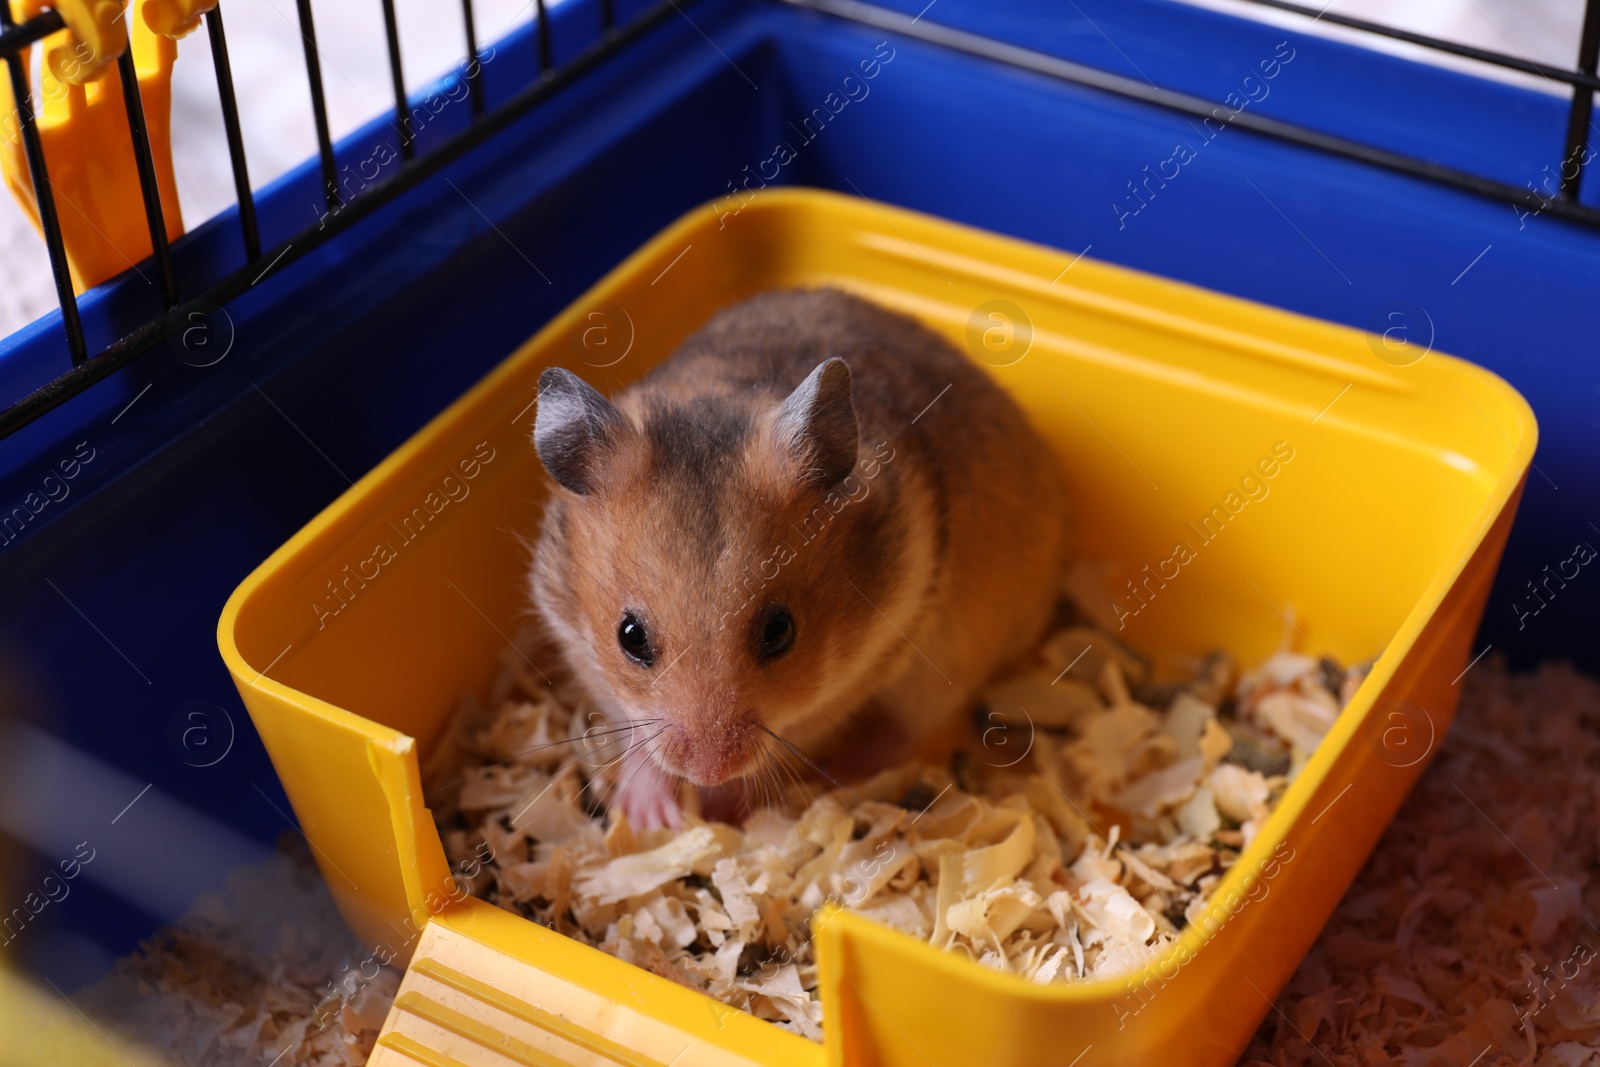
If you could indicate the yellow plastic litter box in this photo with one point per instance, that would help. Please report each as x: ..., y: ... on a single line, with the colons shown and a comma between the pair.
x: 352, y: 644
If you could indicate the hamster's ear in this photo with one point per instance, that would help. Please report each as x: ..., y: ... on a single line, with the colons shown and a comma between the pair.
x: 817, y: 423
x: 574, y: 427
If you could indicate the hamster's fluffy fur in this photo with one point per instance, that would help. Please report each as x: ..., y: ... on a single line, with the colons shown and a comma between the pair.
x: 805, y: 451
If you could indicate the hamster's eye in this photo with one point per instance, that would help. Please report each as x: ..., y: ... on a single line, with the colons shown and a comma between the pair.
x: 635, y: 640
x: 777, y: 634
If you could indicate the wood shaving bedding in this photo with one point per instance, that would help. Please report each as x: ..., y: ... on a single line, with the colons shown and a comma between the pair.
x: 1449, y: 949
x: 1096, y: 803
x: 263, y: 973
x: 1470, y: 937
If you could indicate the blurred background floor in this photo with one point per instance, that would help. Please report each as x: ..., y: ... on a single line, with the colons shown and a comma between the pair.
x: 275, y: 111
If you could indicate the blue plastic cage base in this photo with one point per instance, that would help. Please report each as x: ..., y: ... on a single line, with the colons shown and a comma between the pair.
x: 195, y: 473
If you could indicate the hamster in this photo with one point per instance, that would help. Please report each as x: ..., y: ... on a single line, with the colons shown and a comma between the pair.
x: 815, y: 530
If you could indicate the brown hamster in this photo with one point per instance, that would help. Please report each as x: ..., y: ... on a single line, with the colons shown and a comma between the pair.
x: 816, y: 521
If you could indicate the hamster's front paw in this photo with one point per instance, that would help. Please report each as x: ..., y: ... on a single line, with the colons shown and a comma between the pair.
x: 647, y: 795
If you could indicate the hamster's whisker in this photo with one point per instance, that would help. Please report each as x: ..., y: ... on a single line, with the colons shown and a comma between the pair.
x: 585, y: 736
x: 644, y: 743
x: 786, y: 775
x: 771, y: 775
x: 772, y: 786
x: 622, y: 783
x: 518, y: 753
x: 745, y: 783
x: 807, y: 760
x: 630, y: 748
x: 808, y: 791
x: 808, y: 788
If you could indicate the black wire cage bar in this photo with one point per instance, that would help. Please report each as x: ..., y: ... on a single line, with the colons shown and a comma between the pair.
x: 1582, y: 82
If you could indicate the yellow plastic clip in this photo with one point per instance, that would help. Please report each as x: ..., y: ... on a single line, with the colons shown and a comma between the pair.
x: 176, y: 18
x: 97, y: 35
x: 83, y: 127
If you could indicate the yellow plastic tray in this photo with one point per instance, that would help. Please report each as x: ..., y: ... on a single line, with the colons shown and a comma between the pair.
x: 352, y: 644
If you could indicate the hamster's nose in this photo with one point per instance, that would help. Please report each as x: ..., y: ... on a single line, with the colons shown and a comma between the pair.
x: 710, y: 767
x: 708, y: 753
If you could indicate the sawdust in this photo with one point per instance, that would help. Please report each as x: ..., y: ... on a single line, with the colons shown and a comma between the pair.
x: 263, y: 973
x: 1469, y: 937
x: 1465, y: 940
x: 1098, y: 802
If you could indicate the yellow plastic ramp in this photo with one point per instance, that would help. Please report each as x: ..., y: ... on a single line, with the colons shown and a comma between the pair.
x: 465, y: 1002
